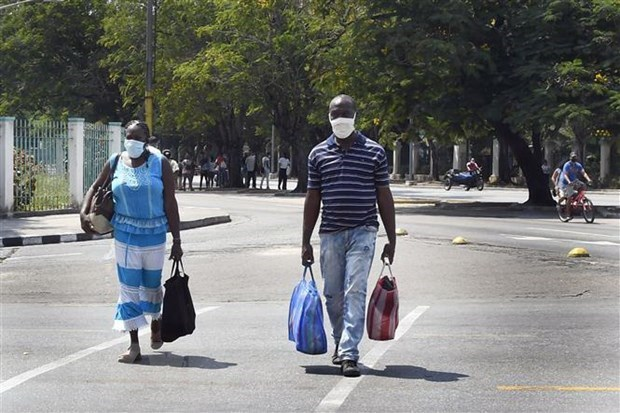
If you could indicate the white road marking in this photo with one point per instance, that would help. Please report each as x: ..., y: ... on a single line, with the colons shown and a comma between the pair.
x: 345, y: 386
x: 32, y: 257
x: 30, y: 374
x: 600, y: 243
x: 526, y: 238
x: 576, y: 232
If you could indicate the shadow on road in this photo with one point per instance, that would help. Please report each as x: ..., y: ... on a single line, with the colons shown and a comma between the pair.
x: 397, y: 372
x: 167, y: 358
x: 414, y: 372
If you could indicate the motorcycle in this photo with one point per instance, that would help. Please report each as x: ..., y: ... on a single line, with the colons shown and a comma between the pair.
x: 467, y: 179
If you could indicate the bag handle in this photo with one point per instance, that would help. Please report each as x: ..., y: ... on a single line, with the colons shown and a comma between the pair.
x: 108, y: 179
x: 306, y: 268
x: 386, y: 263
x: 177, y: 268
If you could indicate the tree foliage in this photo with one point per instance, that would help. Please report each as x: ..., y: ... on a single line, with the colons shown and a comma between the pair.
x: 225, y: 71
x: 51, y: 61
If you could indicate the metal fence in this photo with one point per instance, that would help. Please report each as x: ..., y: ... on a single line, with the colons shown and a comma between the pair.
x: 40, y: 179
x: 96, y: 151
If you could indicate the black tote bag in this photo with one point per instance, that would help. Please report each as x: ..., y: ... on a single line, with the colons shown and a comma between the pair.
x: 178, y: 316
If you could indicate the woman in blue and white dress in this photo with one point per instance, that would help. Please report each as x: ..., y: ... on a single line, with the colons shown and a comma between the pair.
x: 145, y: 208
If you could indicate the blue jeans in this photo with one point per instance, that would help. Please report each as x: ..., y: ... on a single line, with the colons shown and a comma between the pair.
x: 346, y: 258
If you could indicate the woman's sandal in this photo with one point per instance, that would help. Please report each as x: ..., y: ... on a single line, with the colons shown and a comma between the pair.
x: 131, y: 355
x: 156, y: 341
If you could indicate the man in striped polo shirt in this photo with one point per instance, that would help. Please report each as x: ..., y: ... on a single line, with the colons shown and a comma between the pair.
x: 348, y: 173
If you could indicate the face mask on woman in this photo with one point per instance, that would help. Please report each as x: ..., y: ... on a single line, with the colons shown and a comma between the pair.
x: 343, y: 127
x: 134, y: 148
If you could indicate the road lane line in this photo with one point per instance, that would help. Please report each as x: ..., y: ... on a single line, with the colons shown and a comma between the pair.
x: 575, y: 232
x: 526, y: 238
x: 30, y: 374
x: 345, y: 386
x: 559, y: 388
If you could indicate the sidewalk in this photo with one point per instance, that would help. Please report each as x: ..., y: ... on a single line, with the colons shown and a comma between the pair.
x: 54, y: 229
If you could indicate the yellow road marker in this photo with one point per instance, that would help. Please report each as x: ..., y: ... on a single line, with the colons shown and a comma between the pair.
x: 559, y: 388
x: 578, y: 252
x: 460, y: 241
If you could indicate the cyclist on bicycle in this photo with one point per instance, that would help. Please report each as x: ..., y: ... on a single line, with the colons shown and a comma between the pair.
x: 571, y: 171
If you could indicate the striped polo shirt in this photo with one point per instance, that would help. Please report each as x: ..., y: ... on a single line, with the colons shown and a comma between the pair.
x: 348, y: 182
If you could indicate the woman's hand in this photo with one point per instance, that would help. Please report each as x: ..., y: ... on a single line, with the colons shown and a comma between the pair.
x: 176, y: 252
x: 87, y: 225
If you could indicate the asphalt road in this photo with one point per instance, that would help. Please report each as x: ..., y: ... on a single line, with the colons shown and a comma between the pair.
x: 500, y: 324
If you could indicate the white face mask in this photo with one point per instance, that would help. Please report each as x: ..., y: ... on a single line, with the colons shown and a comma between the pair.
x: 134, y: 148
x: 343, y: 127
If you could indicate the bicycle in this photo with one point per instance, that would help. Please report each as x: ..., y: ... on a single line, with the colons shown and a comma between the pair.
x: 575, y: 199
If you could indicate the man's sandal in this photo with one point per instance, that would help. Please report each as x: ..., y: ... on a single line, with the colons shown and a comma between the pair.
x: 131, y: 355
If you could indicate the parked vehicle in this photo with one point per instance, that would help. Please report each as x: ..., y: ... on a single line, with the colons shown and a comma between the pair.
x: 467, y: 179
x: 575, y: 201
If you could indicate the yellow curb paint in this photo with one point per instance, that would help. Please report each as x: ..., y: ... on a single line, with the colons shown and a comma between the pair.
x: 559, y: 388
x: 578, y: 252
x: 460, y: 241
x: 401, y: 231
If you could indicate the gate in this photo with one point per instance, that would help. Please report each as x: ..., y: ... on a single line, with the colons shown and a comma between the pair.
x: 40, y: 158
x: 96, y: 151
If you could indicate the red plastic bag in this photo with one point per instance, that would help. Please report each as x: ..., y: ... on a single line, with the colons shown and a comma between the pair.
x: 382, y: 317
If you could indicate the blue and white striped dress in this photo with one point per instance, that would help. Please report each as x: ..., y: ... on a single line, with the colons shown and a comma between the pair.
x: 140, y: 226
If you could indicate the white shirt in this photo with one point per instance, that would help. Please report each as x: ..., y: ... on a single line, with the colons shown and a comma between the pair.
x: 283, y: 163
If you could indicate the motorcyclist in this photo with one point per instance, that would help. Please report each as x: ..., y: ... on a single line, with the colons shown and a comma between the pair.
x: 472, y: 166
x: 571, y: 171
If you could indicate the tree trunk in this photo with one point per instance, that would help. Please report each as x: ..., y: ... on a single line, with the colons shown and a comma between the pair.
x: 505, y: 161
x: 300, y: 153
x: 537, y: 185
x: 434, y: 170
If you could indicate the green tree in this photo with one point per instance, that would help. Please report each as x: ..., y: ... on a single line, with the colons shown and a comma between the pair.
x: 50, y: 61
x: 476, y: 68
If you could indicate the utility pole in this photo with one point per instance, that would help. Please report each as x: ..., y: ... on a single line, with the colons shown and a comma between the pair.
x: 150, y: 46
x: 273, y: 139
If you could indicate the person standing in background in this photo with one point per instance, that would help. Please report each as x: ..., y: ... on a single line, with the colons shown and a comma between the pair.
x: 283, y: 164
x: 187, y: 169
x: 176, y: 172
x: 205, y: 171
x: 266, y: 164
x: 250, y: 169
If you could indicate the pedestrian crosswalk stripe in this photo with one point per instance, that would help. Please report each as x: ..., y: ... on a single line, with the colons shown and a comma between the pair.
x: 30, y: 374
x: 345, y: 386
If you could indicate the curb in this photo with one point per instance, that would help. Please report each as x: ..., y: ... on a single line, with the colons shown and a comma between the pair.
x: 79, y: 237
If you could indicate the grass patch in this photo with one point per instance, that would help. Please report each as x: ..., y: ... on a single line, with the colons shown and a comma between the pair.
x: 50, y: 192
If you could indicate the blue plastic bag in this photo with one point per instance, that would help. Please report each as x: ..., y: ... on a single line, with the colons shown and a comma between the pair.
x: 305, y: 317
